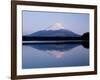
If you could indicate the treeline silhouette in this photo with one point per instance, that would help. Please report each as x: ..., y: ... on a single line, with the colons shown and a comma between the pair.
x: 29, y: 38
x: 85, y: 36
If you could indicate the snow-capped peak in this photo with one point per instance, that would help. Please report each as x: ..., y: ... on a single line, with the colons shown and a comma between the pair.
x: 56, y: 26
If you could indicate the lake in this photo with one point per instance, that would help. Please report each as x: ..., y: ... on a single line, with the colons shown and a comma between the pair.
x: 54, y: 55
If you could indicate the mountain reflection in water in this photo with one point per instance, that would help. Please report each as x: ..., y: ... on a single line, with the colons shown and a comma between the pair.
x: 51, y: 47
x: 56, y: 50
x: 54, y: 55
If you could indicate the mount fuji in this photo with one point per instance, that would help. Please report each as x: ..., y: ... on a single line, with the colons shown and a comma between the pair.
x: 56, y: 30
x: 55, y: 33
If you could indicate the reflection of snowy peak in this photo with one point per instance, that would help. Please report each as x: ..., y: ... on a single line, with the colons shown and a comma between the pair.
x: 55, y: 33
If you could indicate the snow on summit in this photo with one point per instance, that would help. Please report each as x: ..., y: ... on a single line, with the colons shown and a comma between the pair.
x: 56, y: 26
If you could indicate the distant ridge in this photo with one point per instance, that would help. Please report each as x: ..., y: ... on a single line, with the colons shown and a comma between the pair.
x: 54, y: 33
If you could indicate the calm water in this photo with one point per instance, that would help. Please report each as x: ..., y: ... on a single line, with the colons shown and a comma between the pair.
x: 54, y: 55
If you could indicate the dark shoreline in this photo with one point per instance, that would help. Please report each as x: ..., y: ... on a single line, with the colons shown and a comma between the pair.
x: 27, y: 38
x: 85, y: 43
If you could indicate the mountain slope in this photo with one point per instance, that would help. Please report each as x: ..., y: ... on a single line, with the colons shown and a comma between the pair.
x: 55, y: 33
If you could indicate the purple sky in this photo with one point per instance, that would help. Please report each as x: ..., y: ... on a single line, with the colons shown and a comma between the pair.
x: 35, y: 21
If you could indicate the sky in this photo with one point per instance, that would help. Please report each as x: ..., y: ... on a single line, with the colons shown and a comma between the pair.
x: 33, y: 21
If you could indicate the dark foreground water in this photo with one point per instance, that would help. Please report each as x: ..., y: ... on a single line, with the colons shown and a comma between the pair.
x: 54, y: 55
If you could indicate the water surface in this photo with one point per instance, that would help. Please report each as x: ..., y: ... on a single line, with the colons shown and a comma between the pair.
x: 54, y: 55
